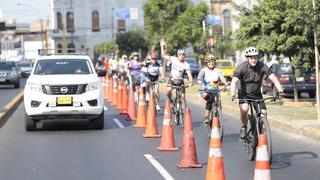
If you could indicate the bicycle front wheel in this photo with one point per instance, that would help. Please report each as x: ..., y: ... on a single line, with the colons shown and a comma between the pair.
x: 264, y: 128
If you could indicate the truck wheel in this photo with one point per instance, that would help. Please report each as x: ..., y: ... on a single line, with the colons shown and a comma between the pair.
x: 30, y: 124
x: 98, y: 123
x: 312, y: 94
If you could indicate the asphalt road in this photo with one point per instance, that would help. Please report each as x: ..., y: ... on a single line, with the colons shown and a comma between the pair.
x: 8, y: 92
x: 72, y: 150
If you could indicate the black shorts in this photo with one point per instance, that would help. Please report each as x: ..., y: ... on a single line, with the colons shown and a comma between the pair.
x: 211, y: 99
x: 177, y: 82
x: 136, y: 80
x: 255, y: 104
x: 153, y: 78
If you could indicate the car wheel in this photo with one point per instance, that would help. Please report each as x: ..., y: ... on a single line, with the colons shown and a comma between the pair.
x: 17, y: 85
x: 30, y: 124
x: 98, y: 123
x: 312, y: 94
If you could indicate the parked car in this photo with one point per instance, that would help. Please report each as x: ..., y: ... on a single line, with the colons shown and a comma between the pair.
x: 306, y: 82
x: 25, y: 68
x: 9, y: 73
x: 194, y: 66
x: 227, y: 67
x: 63, y: 87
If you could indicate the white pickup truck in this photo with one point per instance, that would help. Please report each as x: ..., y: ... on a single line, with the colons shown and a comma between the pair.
x: 63, y: 87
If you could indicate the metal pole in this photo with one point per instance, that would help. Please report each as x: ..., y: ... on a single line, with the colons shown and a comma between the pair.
x: 317, y: 62
x: 112, y: 23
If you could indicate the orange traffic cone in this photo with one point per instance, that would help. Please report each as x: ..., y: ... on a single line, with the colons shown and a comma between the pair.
x: 124, y: 100
x: 167, y: 139
x: 262, y: 171
x: 151, y: 129
x: 141, y: 115
x: 106, y: 88
x: 188, y: 154
x: 110, y: 90
x: 119, y: 96
x: 131, y: 108
x: 115, y: 93
x: 215, y: 168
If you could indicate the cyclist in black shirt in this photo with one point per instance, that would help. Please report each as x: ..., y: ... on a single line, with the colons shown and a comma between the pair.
x: 251, y: 73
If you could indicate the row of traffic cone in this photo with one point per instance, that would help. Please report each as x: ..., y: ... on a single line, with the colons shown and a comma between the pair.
x: 215, y: 167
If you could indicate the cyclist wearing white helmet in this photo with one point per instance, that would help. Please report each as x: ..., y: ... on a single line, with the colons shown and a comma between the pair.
x: 178, y: 68
x: 210, y: 77
x: 250, y: 74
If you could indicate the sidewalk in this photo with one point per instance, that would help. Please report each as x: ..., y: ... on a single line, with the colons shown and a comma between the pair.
x: 299, y: 120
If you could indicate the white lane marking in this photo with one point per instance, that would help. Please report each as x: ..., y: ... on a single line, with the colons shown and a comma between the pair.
x: 164, y: 173
x: 105, y: 108
x: 118, y: 123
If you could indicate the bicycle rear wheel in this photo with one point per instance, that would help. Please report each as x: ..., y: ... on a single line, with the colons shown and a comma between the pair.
x: 250, y: 141
x: 264, y: 128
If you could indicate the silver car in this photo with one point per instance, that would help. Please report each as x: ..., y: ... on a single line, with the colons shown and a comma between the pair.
x: 25, y: 68
x: 9, y: 73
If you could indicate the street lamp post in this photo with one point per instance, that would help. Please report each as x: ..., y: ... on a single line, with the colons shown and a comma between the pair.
x: 41, y: 22
x: 317, y: 62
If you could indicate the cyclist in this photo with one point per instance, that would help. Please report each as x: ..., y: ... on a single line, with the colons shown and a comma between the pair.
x: 114, y: 64
x: 250, y: 74
x: 178, y: 68
x: 210, y: 77
x: 123, y: 66
x: 134, y: 67
x: 152, y: 72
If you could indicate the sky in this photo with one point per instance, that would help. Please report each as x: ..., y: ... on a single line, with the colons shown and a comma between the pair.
x: 28, y: 11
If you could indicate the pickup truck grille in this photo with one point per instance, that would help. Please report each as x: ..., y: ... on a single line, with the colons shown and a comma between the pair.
x: 63, y: 89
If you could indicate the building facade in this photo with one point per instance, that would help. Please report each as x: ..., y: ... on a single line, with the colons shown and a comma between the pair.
x: 86, y: 23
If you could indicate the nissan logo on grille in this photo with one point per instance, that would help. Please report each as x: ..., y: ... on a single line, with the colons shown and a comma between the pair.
x: 64, y: 90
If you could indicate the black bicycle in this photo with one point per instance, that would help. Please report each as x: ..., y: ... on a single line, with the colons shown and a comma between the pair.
x: 178, y: 110
x: 257, y: 124
x: 215, y: 111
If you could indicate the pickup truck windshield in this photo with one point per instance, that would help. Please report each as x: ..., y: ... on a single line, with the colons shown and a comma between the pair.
x: 63, y: 66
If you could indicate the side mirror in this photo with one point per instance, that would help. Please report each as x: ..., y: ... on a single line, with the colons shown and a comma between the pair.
x: 101, y: 72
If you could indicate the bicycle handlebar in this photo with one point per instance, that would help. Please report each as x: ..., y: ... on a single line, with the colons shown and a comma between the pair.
x: 259, y: 100
x: 176, y: 87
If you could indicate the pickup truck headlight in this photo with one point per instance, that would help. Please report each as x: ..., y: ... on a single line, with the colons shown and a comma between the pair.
x: 92, y: 86
x: 34, y: 86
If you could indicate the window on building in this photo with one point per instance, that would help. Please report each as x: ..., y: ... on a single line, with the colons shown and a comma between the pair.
x: 71, y: 48
x: 59, y: 48
x: 121, y: 25
x: 226, y: 21
x: 70, y: 22
x: 59, y: 20
x: 95, y: 21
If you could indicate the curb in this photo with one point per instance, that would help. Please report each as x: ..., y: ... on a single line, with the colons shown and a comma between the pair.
x: 312, y: 132
x: 10, y: 107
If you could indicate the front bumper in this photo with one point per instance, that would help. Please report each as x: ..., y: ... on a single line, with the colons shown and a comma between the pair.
x: 43, y: 105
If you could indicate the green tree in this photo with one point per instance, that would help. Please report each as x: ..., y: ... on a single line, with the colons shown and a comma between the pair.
x: 106, y: 47
x: 131, y: 41
x: 160, y: 17
x: 280, y: 27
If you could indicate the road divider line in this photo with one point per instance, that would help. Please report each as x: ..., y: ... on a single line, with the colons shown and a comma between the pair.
x: 118, y: 123
x: 105, y: 108
x: 164, y: 173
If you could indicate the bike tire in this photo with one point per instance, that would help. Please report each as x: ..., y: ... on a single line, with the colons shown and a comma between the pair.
x: 265, y: 128
x: 208, y: 126
x: 250, y: 141
x: 176, y: 113
x: 219, y: 115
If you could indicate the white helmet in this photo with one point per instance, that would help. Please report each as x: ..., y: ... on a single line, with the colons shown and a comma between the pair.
x: 251, y: 51
x: 124, y: 57
x: 181, y: 51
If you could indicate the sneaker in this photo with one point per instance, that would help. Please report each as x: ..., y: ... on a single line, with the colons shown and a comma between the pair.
x: 158, y: 107
x: 243, y: 132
